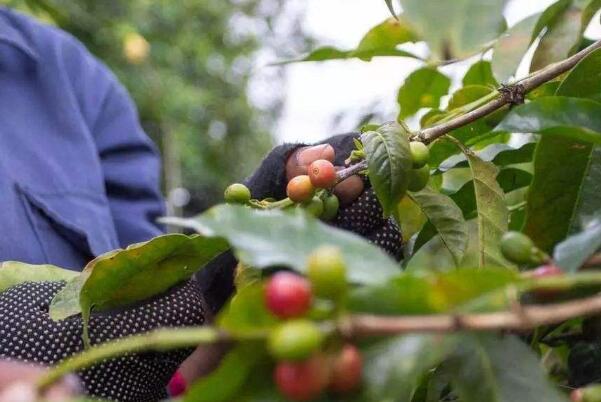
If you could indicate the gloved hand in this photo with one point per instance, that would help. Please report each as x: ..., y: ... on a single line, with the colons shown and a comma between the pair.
x: 27, y: 333
x: 360, y: 211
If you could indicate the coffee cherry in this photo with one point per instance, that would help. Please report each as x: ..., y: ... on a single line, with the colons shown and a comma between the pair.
x: 322, y: 173
x: 517, y: 247
x: 314, y: 207
x: 544, y: 293
x: 346, y: 370
x: 294, y: 340
x: 237, y: 194
x: 590, y: 393
x: 577, y: 395
x: 287, y: 295
x: 330, y: 208
x: 300, y: 189
x: 326, y: 271
x: 301, y: 381
x: 420, y: 154
x: 418, y: 178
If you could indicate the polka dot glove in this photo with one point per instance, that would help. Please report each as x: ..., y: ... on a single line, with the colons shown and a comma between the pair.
x: 360, y: 212
x: 27, y: 333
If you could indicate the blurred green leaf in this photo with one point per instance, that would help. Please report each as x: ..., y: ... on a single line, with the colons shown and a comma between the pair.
x: 467, y: 95
x: 271, y: 238
x: 447, y: 220
x: 388, y: 161
x: 246, y: 312
x: 394, y: 367
x: 499, y: 154
x: 497, y: 368
x: 13, y: 273
x: 572, y: 252
x: 422, y: 88
x: 511, y: 47
x: 480, y: 73
x: 456, y: 28
x: 142, y: 270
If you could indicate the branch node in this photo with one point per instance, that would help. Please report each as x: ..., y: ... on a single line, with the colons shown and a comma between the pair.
x: 513, y: 94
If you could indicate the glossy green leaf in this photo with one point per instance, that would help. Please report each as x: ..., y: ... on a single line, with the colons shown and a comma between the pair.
x: 393, y: 367
x: 246, y: 312
x: 499, y: 154
x: 571, y: 253
x: 566, y: 171
x: 224, y: 383
x: 497, y: 368
x: 13, y: 273
x: 263, y: 239
x: 511, y: 47
x: 456, y: 28
x: 480, y: 73
x: 492, y: 214
x: 432, y: 292
x: 136, y: 273
x: 388, y: 161
x: 575, y: 118
x: 467, y: 95
x: 559, y: 39
x: 422, y: 88
x: 446, y: 218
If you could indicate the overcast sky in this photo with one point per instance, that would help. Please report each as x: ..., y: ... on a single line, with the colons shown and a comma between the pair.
x: 316, y: 92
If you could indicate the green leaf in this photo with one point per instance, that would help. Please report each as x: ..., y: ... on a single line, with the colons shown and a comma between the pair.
x: 511, y: 47
x: 499, y: 154
x: 389, y: 161
x: 496, y: 368
x: 467, y: 95
x: 263, y: 239
x: 566, y: 171
x: 422, y: 88
x: 480, y: 73
x: 447, y: 220
x: 575, y: 118
x: 382, y: 40
x: 246, y: 312
x: 492, y: 214
x: 142, y: 270
x: 13, y: 273
x: 433, y: 292
x: 560, y: 38
x: 456, y: 28
x: 393, y: 367
x: 223, y: 384
x: 571, y: 253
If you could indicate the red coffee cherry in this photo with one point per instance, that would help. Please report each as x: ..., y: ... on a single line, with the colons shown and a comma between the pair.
x: 545, y: 294
x: 301, y: 381
x: 300, y: 189
x: 347, y: 370
x: 288, y: 295
x: 322, y: 173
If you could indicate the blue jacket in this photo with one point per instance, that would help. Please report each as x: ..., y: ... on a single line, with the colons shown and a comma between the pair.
x: 78, y: 175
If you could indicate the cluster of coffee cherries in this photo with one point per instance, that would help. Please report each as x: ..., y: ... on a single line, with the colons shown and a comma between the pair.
x: 518, y: 248
x: 308, y: 364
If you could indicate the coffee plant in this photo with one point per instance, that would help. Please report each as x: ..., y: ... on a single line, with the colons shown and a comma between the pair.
x: 345, y: 321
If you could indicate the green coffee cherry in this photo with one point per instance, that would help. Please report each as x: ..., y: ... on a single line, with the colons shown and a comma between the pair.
x: 330, y: 208
x: 518, y: 248
x: 314, y: 207
x: 418, y: 178
x: 326, y: 271
x: 295, y: 340
x: 237, y: 194
x: 420, y: 154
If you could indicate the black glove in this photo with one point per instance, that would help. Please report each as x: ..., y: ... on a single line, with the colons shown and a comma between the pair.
x: 360, y: 211
x: 27, y: 333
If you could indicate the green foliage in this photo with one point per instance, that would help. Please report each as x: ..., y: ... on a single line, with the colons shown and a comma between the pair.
x: 422, y: 88
x: 13, y: 273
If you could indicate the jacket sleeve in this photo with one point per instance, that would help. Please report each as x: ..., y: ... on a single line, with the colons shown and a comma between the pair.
x: 130, y: 165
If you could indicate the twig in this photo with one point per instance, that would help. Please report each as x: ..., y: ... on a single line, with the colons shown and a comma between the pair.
x: 350, y: 171
x: 593, y: 261
x: 525, y: 85
x: 528, y: 317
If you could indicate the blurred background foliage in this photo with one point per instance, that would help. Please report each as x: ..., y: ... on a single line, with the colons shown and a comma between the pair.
x: 188, y: 65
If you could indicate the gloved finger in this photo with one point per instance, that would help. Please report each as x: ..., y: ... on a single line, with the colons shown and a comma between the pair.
x: 300, y: 159
x: 349, y: 189
x: 362, y: 216
x: 389, y: 238
x: 18, y: 383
